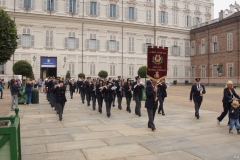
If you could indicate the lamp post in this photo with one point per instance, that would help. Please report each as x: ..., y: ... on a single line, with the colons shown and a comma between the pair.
x: 34, y: 59
x: 64, y: 59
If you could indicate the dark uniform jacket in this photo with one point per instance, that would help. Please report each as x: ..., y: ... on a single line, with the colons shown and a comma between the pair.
x: 99, y: 94
x: 137, y: 92
x: 83, y: 86
x: 60, y: 94
x: 79, y: 84
x: 92, y: 86
x: 128, y: 93
x: 195, y: 94
x: 235, y: 113
x: 150, y: 97
x: 108, y: 94
x: 227, y: 96
x: 50, y: 86
x: 87, y: 89
x: 119, y: 93
x: 72, y: 86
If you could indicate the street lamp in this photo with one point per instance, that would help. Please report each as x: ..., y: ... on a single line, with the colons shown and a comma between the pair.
x: 64, y: 59
x: 34, y: 59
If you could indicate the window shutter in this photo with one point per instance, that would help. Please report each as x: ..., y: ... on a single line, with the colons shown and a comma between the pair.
x: 66, y: 43
x: 107, y: 45
x: 186, y: 20
x: 56, y: 5
x: 144, y: 47
x: 150, y: 15
x: 179, y: 50
x: 77, y: 6
x: 32, y: 4
x: 233, y: 71
x: 67, y: 6
x: 159, y: 16
x: 87, y: 44
x: 117, y: 11
x: 32, y: 40
x: 19, y: 39
x: 88, y: 7
x: 200, y: 46
x: 47, y: 38
x: 200, y: 20
x: 20, y: 4
x: 135, y: 13
x: 108, y: 10
x: 3, y: 3
x: 98, y: 9
x: 98, y: 45
x: 76, y: 43
x: 133, y: 46
x: 166, y: 17
x: 28, y: 30
x: 194, y: 21
x: 146, y: 15
x: 190, y: 21
x: 117, y: 45
x: 44, y: 4
x: 51, y: 38
x: 172, y: 49
x: 127, y: 12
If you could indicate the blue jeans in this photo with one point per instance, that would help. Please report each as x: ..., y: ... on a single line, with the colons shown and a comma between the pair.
x: 28, y: 98
x: 234, y: 122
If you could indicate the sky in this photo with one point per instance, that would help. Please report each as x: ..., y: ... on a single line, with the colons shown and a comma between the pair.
x: 222, y: 5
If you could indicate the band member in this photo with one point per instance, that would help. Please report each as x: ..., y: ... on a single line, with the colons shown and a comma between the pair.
x: 162, y: 93
x: 88, y: 91
x: 114, y: 93
x: 60, y: 91
x: 83, y: 88
x: 49, y: 89
x: 93, y: 88
x: 45, y: 88
x: 119, y: 92
x: 229, y: 95
x: 100, y: 95
x: 72, y: 87
x: 196, y: 94
x: 128, y: 94
x: 56, y: 82
x: 151, y: 103
x: 77, y: 86
x: 79, y: 83
x: 108, y: 96
x: 137, y: 93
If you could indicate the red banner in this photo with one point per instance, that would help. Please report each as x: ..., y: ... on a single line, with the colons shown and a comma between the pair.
x: 157, y: 60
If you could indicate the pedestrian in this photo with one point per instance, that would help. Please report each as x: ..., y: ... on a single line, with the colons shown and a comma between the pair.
x: 88, y: 91
x: 114, y: 93
x: 1, y: 88
x: 229, y: 95
x: 72, y: 87
x: 151, y: 103
x: 137, y: 93
x: 108, y: 96
x: 28, y: 91
x: 162, y: 94
x: 100, y: 95
x: 40, y: 84
x: 128, y: 94
x: 93, y: 89
x: 119, y: 92
x: 234, y: 111
x: 9, y: 83
x: 196, y: 94
x: 83, y: 88
x: 35, y: 83
x: 50, y: 90
x: 14, y: 92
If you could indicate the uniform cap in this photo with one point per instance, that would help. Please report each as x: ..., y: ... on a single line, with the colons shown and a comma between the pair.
x: 197, y: 79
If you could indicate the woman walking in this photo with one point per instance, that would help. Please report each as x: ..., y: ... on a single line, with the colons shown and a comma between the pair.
x: 14, y: 92
x: 229, y: 95
x: 128, y: 94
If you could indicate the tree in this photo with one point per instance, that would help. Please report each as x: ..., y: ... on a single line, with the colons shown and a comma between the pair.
x: 142, y: 72
x: 68, y: 75
x: 8, y: 37
x: 81, y: 75
x: 103, y: 74
x: 23, y: 68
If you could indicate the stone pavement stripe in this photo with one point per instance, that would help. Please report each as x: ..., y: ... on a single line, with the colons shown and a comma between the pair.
x: 168, y: 145
x: 46, y: 139
x: 95, y: 135
x: 41, y: 126
x: 30, y: 121
x: 31, y: 133
x: 236, y: 143
x: 81, y: 123
x: 223, y: 151
x: 54, y: 119
x: 138, y: 131
x: 174, y: 155
x: 40, y: 115
x: 64, y: 146
x: 129, y: 139
x: 63, y: 155
x: 59, y: 131
x: 170, y: 135
x: 114, y: 120
x: 113, y: 152
x: 109, y: 127
x: 33, y: 149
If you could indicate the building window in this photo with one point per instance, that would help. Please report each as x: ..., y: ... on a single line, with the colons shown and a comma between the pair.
x: 71, y: 68
x: 207, y: 10
x: 163, y: 42
x: 214, y: 44
x: 93, y: 8
x: 193, y: 48
x: 72, y: 6
x: 163, y: 1
x: 229, y: 42
x: 71, y: 42
x: 148, y: 0
x: 131, y: 70
x: 145, y: 45
x: 26, y: 39
x: 50, y: 5
x: 193, y: 72
x: 188, y: 21
x: 2, y: 2
x: 49, y: 38
x: 112, y: 44
x: 93, y: 43
x: 197, y: 21
x: 175, y: 72
x: 203, y: 68
x: 187, y: 48
x: 163, y: 17
x: 197, y: 8
x: 215, y: 71
x: 175, y: 18
x: 202, y: 47
x: 186, y: 6
x: 92, y: 69
x: 175, y: 3
x: 113, y: 10
x: 112, y: 69
x: 175, y: 48
x: 27, y: 4
x: 148, y: 15
x: 186, y: 71
x: 2, y: 69
x: 230, y: 70
x: 131, y: 44
x: 131, y: 13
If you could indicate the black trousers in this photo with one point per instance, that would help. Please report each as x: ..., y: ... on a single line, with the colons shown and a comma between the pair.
x: 1, y: 92
x: 88, y: 97
x: 226, y: 108
x: 161, y: 100
x: 71, y: 93
x: 128, y: 99
x: 108, y: 107
x: 60, y: 108
x: 83, y: 96
x: 94, y: 102
x: 119, y: 102
x: 151, y: 116
x: 138, y: 105
x: 113, y: 102
x: 197, y: 107
x: 100, y: 102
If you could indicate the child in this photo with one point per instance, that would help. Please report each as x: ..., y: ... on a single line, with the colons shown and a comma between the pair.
x: 234, y: 111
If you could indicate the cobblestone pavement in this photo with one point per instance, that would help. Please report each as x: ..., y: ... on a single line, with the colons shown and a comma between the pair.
x: 84, y: 134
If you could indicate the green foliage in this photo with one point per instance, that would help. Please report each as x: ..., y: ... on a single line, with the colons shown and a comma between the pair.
x: 68, y: 75
x: 22, y: 68
x: 103, y: 74
x: 142, y: 72
x: 81, y: 75
x: 8, y: 37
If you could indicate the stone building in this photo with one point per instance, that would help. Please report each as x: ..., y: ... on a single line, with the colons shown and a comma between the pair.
x: 87, y: 36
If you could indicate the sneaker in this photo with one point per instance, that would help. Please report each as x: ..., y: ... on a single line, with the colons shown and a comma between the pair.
x: 218, y: 122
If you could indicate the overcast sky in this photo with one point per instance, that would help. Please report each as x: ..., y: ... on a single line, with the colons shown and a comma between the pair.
x: 222, y: 5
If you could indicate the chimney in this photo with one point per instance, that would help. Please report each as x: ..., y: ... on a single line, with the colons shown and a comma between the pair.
x: 221, y: 15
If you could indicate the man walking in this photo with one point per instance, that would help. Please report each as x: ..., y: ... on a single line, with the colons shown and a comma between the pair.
x: 137, y: 93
